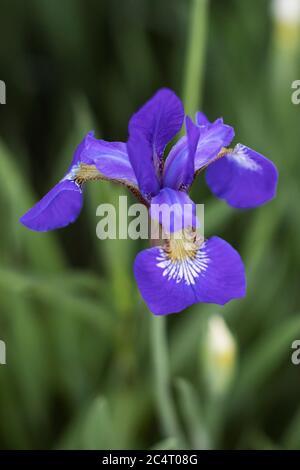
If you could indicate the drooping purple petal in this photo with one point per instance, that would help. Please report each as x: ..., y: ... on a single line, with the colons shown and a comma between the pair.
x: 213, y: 137
x: 180, y: 164
x: 243, y: 178
x: 111, y: 159
x: 174, y: 210
x: 215, y: 275
x: 63, y: 203
x: 60, y: 207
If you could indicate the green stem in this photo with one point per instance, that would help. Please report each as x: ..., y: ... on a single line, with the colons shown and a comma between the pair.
x: 165, y: 403
x: 193, y: 80
x: 195, y: 56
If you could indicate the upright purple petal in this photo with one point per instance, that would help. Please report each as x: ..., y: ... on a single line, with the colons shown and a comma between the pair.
x: 158, y: 121
x: 213, y: 137
x: 174, y: 210
x: 215, y: 274
x: 110, y: 158
x: 60, y: 207
x: 243, y: 178
x: 140, y: 156
x: 79, y: 154
x: 180, y: 164
x: 175, y: 162
x: 201, y: 119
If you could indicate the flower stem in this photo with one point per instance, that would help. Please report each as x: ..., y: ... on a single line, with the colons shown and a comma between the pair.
x: 193, y: 81
x: 195, y: 56
x: 165, y: 403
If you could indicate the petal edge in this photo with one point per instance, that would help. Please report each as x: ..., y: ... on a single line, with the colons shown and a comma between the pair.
x: 57, y: 209
x: 218, y: 277
x: 243, y: 178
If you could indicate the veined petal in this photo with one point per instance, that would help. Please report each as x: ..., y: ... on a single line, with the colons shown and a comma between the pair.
x: 213, y: 137
x: 60, y: 207
x: 110, y: 158
x: 63, y: 203
x: 157, y: 122
x: 140, y: 156
x: 170, y: 281
x: 243, y: 178
x: 174, y: 210
x: 176, y: 160
x: 179, y: 168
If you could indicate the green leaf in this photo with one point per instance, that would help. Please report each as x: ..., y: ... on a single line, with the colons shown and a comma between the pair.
x: 167, y: 444
x: 97, y: 431
x: 290, y: 439
x: 264, y: 358
x: 91, y: 430
x: 190, y: 407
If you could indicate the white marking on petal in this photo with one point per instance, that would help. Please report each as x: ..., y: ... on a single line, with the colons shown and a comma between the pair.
x: 186, y: 269
x: 242, y: 158
x: 72, y: 173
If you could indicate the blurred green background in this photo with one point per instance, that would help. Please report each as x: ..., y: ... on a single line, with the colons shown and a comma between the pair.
x: 88, y: 367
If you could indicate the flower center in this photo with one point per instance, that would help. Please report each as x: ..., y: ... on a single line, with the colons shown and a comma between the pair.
x: 86, y: 173
x: 184, y: 259
x: 82, y: 172
x: 183, y: 245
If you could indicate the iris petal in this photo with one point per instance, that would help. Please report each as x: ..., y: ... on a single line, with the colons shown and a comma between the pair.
x: 140, y: 155
x: 243, y: 178
x: 159, y: 120
x: 213, y: 137
x: 60, y: 207
x: 214, y: 275
x: 201, y: 119
x: 63, y: 203
x: 150, y: 130
x: 180, y: 164
x: 174, y: 210
x: 175, y: 162
x: 79, y: 154
x: 111, y: 159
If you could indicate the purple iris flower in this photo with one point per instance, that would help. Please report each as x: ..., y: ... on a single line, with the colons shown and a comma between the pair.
x: 179, y: 271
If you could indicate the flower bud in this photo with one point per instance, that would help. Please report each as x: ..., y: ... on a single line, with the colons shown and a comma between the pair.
x: 286, y: 22
x: 219, y: 356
